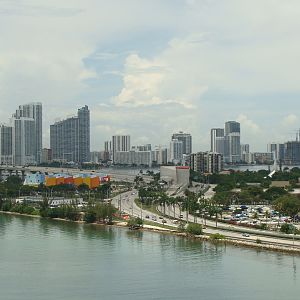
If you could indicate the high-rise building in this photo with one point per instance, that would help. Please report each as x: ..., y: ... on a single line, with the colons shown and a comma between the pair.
x: 70, y: 138
x: 217, y: 140
x: 245, y: 150
x: 232, y: 142
x: 186, y: 140
x: 24, y: 141
x: 277, y: 149
x: 84, y: 133
x: 206, y: 162
x: 176, y: 151
x: 46, y: 156
x: 120, y: 143
x: 27, y: 134
x: 160, y: 155
x: 6, y: 151
x: 292, y: 153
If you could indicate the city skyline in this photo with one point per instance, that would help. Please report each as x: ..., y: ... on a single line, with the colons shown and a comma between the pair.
x: 192, y: 69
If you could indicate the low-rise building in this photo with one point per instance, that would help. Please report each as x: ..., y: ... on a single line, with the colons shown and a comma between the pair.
x: 175, y: 175
x: 133, y: 157
x: 263, y: 157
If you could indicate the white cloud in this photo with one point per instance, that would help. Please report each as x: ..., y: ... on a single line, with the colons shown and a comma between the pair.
x: 290, y: 120
x: 248, y: 124
x: 247, y: 49
x: 147, y: 82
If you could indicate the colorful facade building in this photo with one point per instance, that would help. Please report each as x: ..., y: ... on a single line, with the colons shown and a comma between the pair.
x: 92, y: 181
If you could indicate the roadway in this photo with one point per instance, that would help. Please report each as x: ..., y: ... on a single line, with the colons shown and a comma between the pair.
x: 126, y: 200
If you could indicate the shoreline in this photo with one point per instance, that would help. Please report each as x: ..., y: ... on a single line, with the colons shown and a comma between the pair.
x: 206, y: 238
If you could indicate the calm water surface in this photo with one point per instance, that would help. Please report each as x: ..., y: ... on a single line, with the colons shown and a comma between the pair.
x: 42, y: 259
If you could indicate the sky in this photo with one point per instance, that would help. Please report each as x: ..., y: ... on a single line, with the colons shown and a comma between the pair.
x: 150, y: 68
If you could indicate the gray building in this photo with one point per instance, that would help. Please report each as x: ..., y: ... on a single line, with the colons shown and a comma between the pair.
x: 27, y: 134
x: 107, y: 150
x: 245, y: 151
x: 232, y: 153
x: 160, y: 155
x: 133, y: 157
x: 186, y: 140
x: 292, y: 153
x: 70, y: 138
x: 277, y: 149
x: 120, y: 143
x: 217, y: 140
x: 46, y: 156
x: 6, y: 151
x: 206, y: 162
x: 176, y: 151
x: 24, y: 141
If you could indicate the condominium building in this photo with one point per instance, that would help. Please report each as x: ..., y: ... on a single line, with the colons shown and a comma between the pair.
x: 46, y: 156
x: 292, y: 153
x: 186, y: 140
x: 120, y: 143
x: 217, y: 140
x: 160, y: 155
x: 133, y: 157
x: 277, y: 149
x: 27, y: 134
x: 107, y: 155
x: 6, y: 151
x: 245, y: 150
x: 206, y: 162
x: 70, y: 138
x: 24, y: 141
x: 176, y: 151
x: 232, y: 153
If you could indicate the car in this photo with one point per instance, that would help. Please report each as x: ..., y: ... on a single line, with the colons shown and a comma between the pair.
x: 246, y: 234
x: 160, y: 217
x: 164, y: 221
x: 147, y: 217
x: 181, y: 216
x: 175, y: 221
x: 154, y: 218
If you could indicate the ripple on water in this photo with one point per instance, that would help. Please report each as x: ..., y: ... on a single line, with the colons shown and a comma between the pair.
x: 44, y: 259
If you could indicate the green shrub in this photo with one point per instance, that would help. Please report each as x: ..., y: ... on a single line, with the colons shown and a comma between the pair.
x: 6, y: 206
x: 181, y: 227
x: 135, y: 223
x: 194, y: 229
x: 217, y: 236
x: 90, y: 217
x: 288, y: 228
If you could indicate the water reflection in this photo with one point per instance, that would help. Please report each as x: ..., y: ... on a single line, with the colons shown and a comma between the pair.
x: 90, y: 261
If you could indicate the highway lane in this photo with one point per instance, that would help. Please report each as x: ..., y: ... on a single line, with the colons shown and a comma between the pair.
x: 115, y: 175
x: 129, y: 206
x: 233, y: 231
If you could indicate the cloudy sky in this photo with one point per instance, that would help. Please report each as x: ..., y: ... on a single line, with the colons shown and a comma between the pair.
x: 151, y: 67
